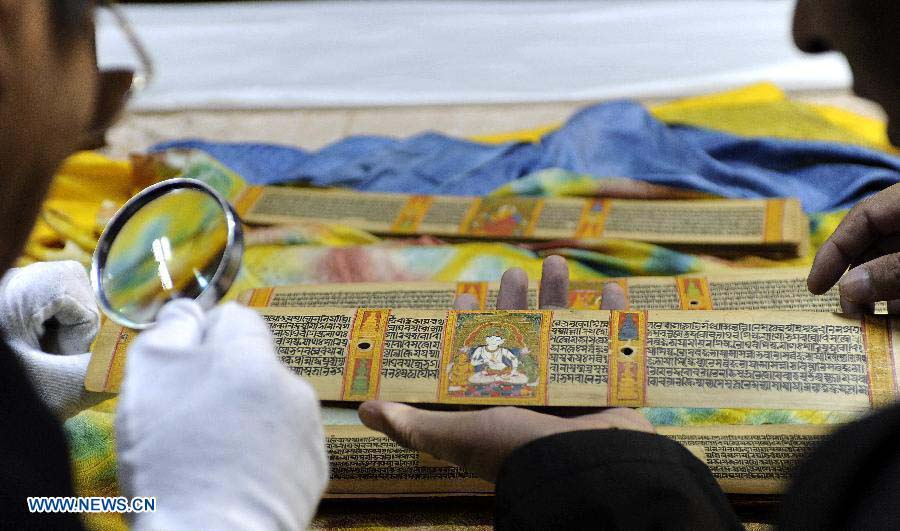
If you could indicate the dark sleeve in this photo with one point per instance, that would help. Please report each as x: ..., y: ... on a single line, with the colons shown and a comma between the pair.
x: 851, y: 481
x: 609, y: 479
x: 34, y: 458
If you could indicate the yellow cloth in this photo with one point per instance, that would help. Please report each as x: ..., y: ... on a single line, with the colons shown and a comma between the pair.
x: 68, y: 228
x: 761, y: 109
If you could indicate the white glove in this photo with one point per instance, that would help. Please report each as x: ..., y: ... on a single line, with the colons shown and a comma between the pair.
x: 49, y: 318
x: 214, y: 426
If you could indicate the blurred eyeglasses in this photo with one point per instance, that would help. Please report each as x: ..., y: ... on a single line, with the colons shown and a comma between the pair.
x: 117, y: 85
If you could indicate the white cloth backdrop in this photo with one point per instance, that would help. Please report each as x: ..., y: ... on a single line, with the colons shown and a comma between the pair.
x: 372, y: 53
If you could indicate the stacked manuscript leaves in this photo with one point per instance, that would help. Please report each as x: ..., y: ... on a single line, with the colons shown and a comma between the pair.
x: 775, y: 227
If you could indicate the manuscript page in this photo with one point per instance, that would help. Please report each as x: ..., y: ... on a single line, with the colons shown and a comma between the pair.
x: 775, y: 226
x: 751, y: 289
x: 743, y: 459
x: 776, y: 360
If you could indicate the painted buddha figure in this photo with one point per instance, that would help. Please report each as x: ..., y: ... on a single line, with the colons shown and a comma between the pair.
x: 494, y: 363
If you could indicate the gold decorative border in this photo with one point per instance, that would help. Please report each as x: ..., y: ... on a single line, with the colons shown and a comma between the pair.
x: 107, y: 365
x: 364, y: 353
x: 773, y: 225
x: 410, y: 216
x: 117, y: 368
x: 474, y: 207
x: 591, y: 224
x: 247, y: 200
x: 693, y: 293
x: 627, y: 360
x: 479, y: 290
x: 880, y: 360
x: 260, y: 297
x: 588, y: 294
x: 535, y: 216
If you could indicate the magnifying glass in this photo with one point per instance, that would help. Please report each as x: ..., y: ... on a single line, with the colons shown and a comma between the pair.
x: 179, y: 238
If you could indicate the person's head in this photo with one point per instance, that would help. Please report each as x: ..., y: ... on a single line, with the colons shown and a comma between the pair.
x: 867, y: 32
x: 48, y: 82
x: 494, y: 340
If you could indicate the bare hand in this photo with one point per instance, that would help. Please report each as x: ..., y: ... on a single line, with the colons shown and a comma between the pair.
x: 480, y: 441
x: 554, y: 292
x: 867, y: 241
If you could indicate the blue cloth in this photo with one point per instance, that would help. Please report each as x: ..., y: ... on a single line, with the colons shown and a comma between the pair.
x: 617, y: 139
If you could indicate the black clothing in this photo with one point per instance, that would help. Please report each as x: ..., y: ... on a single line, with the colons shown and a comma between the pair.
x: 34, y: 457
x: 609, y: 479
x: 852, y: 481
x: 619, y: 479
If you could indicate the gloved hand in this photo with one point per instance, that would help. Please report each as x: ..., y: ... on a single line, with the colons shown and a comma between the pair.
x: 49, y: 318
x: 214, y: 426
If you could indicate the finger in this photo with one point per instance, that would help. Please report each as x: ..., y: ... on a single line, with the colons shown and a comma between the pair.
x: 478, y: 441
x: 613, y: 297
x: 444, y: 435
x: 554, y: 283
x: 880, y: 248
x: 466, y: 301
x: 51, y: 305
x: 513, y: 293
x: 618, y: 417
x: 59, y: 380
x: 77, y: 305
x: 233, y: 322
x: 241, y: 338
x: 868, y: 221
x: 68, y: 339
x: 828, y: 266
x: 848, y: 306
x: 876, y: 280
x: 179, y: 326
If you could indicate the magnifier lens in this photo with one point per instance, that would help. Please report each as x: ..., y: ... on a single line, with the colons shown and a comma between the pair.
x: 175, y: 245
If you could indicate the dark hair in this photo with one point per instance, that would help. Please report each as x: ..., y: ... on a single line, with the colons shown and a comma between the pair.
x: 70, y: 18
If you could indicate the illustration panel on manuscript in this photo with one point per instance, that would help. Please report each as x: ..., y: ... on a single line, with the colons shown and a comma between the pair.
x: 498, y: 357
x: 504, y: 217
